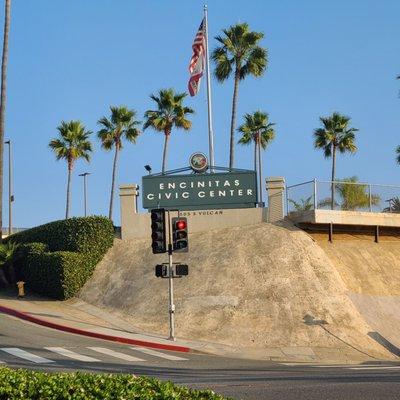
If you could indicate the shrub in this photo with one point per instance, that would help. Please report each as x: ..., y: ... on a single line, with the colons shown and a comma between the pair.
x: 56, y: 259
x: 23, y: 384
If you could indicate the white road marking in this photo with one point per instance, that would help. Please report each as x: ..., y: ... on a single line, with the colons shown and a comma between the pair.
x: 115, y: 354
x: 332, y: 366
x: 15, y: 351
x: 71, y: 354
x: 344, y: 366
x: 154, y: 353
x: 376, y: 367
x: 298, y: 364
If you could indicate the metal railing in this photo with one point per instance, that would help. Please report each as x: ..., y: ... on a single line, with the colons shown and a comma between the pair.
x: 342, y: 195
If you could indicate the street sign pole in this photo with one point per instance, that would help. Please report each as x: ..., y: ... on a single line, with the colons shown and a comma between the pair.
x: 170, y: 283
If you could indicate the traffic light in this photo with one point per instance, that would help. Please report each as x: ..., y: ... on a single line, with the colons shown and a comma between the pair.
x: 180, y: 235
x: 181, y: 270
x: 158, y: 231
x: 161, y: 271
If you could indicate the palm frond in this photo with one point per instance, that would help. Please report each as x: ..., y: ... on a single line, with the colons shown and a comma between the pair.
x: 121, y: 125
x: 239, y: 50
x: 73, y: 142
x: 256, y: 127
x: 170, y: 112
x: 398, y: 154
x: 335, y: 133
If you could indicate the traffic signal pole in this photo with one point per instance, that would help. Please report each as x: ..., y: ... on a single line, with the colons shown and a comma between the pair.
x: 170, y: 283
x: 177, y: 231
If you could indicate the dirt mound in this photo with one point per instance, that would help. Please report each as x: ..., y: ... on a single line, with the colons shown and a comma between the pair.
x: 257, y: 288
x: 371, y: 273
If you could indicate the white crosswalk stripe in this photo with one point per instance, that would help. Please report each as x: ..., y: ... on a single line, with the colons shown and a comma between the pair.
x: 154, y: 353
x: 71, y: 354
x: 26, y: 355
x: 115, y: 354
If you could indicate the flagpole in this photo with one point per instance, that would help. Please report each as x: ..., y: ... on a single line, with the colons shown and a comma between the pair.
x: 210, y: 126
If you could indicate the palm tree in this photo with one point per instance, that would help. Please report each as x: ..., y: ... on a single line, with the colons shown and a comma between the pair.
x: 170, y: 113
x: 259, y: 130
x: 354, y: 195
x: 336, y: 135
x: 239, y: 54
x: 122, y: 124
x: 8, y: 252
x: 303, y: 204
x: 73, y: 143
x: 394, y: 205
x: 4, y: 61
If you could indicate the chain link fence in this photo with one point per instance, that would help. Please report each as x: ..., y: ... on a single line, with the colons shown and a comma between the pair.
x: 346, y: 195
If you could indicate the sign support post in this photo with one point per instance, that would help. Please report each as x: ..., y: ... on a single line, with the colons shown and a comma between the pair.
x: 170, y: 283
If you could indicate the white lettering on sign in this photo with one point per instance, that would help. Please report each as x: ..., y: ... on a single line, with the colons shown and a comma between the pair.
x: 197, y: 190
x: 201, y: 194
x: 202, y: 213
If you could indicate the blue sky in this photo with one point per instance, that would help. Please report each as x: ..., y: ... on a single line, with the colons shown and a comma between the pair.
x: 73, y: 59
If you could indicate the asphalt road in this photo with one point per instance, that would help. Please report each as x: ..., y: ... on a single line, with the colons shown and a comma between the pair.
x: 25, y: 345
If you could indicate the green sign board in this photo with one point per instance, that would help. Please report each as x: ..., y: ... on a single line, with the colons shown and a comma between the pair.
x: 200, y: 191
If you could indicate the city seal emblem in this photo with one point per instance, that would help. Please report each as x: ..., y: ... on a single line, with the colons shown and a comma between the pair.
x: 198, y: 162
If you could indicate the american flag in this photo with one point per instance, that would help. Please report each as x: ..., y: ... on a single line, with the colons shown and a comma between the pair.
x: 197, y: 62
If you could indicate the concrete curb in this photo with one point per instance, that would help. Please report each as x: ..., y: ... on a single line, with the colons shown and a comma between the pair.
x: 64, y: 328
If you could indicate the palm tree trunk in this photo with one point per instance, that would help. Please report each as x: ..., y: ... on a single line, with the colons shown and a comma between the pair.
x: 233, y: 120
x: 70, y: 166
x: 110, y: 211
x: 260, y: 171
x: 255, y: 155
x: 4, y: 60
x: 333, y: 177
x: 164, y: 160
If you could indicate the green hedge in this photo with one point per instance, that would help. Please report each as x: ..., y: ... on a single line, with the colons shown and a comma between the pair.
x: 29, y: 385
x: 56, y: 259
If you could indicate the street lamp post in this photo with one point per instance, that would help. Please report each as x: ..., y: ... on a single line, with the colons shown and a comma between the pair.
x: 10, y: 195
x: 85, y: 174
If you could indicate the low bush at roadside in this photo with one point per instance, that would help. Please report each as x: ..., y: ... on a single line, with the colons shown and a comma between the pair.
x: 27, y: 385
x: 57, y: 258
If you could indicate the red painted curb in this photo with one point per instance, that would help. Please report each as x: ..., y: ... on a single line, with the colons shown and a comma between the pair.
x: 48, y: 324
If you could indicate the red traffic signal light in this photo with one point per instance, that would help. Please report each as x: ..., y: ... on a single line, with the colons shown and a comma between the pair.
x: 180, y: 234
x: 180, y: 224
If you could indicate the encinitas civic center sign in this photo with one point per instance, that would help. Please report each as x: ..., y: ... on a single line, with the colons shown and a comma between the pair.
x: 236, y: 189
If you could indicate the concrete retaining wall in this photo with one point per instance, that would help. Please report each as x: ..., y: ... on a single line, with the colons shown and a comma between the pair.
x: 361, y: 218
x: 138, y: 225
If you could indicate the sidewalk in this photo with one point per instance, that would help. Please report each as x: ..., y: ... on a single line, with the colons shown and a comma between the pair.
x: 77, y: 317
